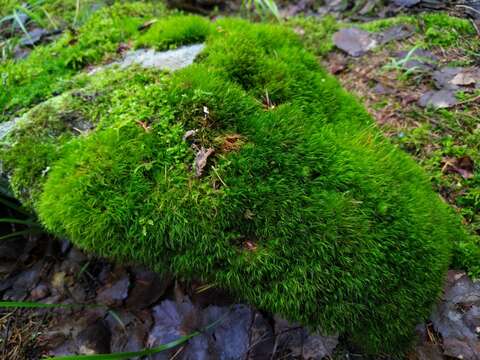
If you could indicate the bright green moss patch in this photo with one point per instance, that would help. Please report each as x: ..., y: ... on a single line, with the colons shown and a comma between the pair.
x: 443, y: 30
x: 169, y: 33
x: 47, y: 70
x: 42, y: 132
x: 303, y: 207
x: 316, y: 33
x: 436, y: 28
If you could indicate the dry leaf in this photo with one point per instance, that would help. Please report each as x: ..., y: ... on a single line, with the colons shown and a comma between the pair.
x: 201, y: 160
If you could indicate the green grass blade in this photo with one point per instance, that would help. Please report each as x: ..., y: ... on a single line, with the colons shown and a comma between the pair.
x: 272, y: 7
x: 6, y: 18
x: 34, y: 16
x: 22, y: 26
x: 33, y: 305
x: 15, y: 234
x: 77, y: 11
x: 50, y: 18
x: 146, y: 352
x: 19, y: 221
x: 128, y: 355
x: 13, y: 206
x: 39, y: 305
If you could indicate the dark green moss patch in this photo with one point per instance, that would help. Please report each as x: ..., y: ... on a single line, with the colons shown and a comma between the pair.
x: 348, y: 235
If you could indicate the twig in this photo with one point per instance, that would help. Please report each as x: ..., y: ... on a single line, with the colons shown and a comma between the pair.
x: 469, y: 8
x: 177, y: 353
x: 475, y: 26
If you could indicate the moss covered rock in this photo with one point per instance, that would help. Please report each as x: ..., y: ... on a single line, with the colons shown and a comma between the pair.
x: 251, y: 169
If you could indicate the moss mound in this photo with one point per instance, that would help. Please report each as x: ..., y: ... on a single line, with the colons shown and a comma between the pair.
x: 302, y: 207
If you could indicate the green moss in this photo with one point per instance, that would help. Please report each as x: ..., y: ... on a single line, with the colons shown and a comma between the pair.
x: 47, y: 70
x: 443, y: 30
x: 41, y: 132
x: 170, y: 33
x: 436, y: 28
x: 316, y: 33
x: 312, y: 213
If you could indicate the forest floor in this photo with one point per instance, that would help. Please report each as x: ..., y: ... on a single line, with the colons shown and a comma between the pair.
x: 420, y: 83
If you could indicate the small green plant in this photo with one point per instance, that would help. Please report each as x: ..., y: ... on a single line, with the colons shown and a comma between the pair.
x: 399, y: 64
x: 263, y: 8
x: 17, y: 220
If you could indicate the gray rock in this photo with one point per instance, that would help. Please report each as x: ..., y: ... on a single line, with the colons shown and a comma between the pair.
x: 457, y: 315
x: 7, y: 127
x: 231, y: 337
x: 406, y: 3
x: 428, y: 352
x: 441, y: 99
x: 355, y: 42
x: 165, y: 60
x: 454, y: 78
x: 298, y: 342
x: 168, y: 60
x: 34, y: 37
x: 114, y: 293
x: 395, y: 33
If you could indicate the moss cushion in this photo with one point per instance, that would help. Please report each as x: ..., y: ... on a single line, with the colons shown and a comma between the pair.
x: 252, y: 170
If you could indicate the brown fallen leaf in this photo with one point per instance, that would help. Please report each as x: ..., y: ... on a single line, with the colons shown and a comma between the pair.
x: 463, y: 166
x: 231, y: 142
x: 144, y: 125
x: 147, y: 24
x: 250, y: 245
x: 123, y: 47
x: 189, y: 134
x: 201, y: 160
x: 337, y: 68
x: 464, y: 78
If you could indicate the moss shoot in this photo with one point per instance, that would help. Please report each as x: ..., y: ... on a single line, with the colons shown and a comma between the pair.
x: 303, y: 208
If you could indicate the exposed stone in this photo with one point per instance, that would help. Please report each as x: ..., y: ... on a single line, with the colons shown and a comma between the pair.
x: 406, y: 3
x: 166, y: 60
x: 457, y: 316
x: 454, y: 78
x: 395, y: 33
x: 441, y: 99
x: 6, y: 127
x: 354, y: 42
x: 34, y: 37
x: 113, y: 294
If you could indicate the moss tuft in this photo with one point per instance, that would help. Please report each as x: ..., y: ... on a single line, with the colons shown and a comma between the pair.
x: 312, y: 213
x: 437, y: 28
x: 316, y: 33
x: 169, y: 33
